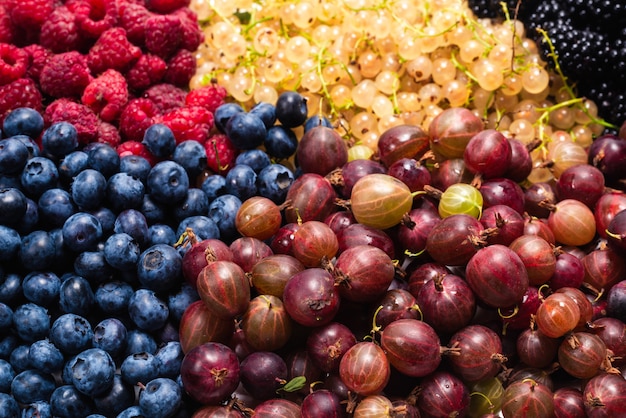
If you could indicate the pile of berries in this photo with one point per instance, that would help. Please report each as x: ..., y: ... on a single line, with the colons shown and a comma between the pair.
x: 111, y: 68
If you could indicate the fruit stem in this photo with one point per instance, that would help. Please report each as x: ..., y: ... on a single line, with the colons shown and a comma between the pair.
x: 491, y: 405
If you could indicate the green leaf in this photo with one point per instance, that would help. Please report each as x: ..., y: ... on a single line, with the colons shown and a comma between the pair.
x: 294, y: 384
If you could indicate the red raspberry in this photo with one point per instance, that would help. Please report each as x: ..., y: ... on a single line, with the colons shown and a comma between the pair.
x: 192, y: 33
x: 221, y: 153
x: 65, y: 75
x: 166, y: 6
x: 38, y: 56
x: 166, y: 96
x: 180, y: 68
x: 147, y: 71
x: 84, y: 120
x: 30, y: 14
x: 6, y: 26
x: 136, y: 148
x: 133, y: 19
x: 187, y: 123
x: 19, y: 93
x: 106, y: 95
x: 112, y: 50
x: 164, y: 34
x: 210, y: 97
x: 13, y: 63
x: 59, y: 32
x: 108, y: 134
x: 136, y: 118
x: 94, y: 17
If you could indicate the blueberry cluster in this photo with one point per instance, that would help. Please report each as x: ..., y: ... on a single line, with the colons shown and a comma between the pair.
x: 589, y: 37
x: 91, y: 284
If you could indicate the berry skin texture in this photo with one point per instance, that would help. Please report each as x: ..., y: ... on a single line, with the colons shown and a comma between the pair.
x: 65, y: 75
x: 13, y: 63
x: 30, y: 14
x: 136, y: 118
x: 133, y: 19
x: 38, y: 56
x: 6, y: 25
x: 112, y: 50
x: 192, y: 34
x: 164, y: 34
x: 85, y: 10
x: 147, y: 71
x: 83, y: 118
x: 166, y: 96
x: 221, y: 153
x: 188, y: 122
x: 59, y: 32
x: 180, y: 68
x: 107, y: 95
x: 210, y: 97
x: 20, y: 93
x: 108, y: 134
x: 166, y: 6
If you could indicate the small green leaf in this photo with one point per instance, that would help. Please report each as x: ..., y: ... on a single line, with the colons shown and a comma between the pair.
x: 294, y: 384
x: 243, y: 16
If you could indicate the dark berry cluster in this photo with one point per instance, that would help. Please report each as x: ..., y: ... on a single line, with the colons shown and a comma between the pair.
x: 589, y: 38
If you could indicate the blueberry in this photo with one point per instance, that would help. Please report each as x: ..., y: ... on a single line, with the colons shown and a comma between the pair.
x: 223, y: 211
x: 10, y: 242
x: 13, y: 156
x: 103, y: 158
x: 213, y: 186
x: 23, y: 121
x: 139, y: 368
x: 19, y: 358
x: 161, y: 234
x: 191, y: 155
x: 6, y: 316
x: 281, y: 142
x: 246, y: 130
x: 10, y: 287
x: 93, y: 267
x: 68, y: 402
x: 179, y: 301
x: 89, y: 189
x: 71, y: 333
x: 133, y: 223
x: 265, y: 111
x: 55, y: 206
x: 159, y: 140
x: 92, y: 371
x: 168, y: 182
x: 76, y: 295
x: 106, y: 217
x: 161, y: 398
x: 9, y: 408
x: 223, y: 114
x: 131, y: 412
x: 203, y: 226
x: 170, y: 357
x: 60, y: 139
x: 317, y: 120
x: 195, y: 203
x: 8, y: 344
x: 121, y: 251
x: 139, y: 341
x: 42, y: 288
x: 72, y: 164
x: 39, y: 409
x: 10, y: 181
x: 29, y: 221
x: 39, y: 174
x: 6, y: 376
x: 159, y: 267
x: 119, y: 397
x: 12, y: 205
x: 274, y: 182
x: 110, y: 335
x: 147, y: 311
x: 45, y: 357
x: 112, y: 297
x: 135, y: 166
x: 82, y: 232
x: 256, y: 158
x: 153, y: 211
x: 31, y: 322
x: 291, y: 109
x: 32, y: 385
x: 124, y: 192
x: 31, y: 145
x: 241, y: 182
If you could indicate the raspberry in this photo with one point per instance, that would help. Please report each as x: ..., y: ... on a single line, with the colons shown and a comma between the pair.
x: 19, y: 93
x: 192, y: 33
x: 108, y: 134
x: 13, y: 63
x: 147, y: 71
x: 166, y: 96
x: 112, y: 50
x: 60, y: 32
x: 106, y: 95
x: 210, y: 97
x: 65, y: 75
x: 30, y: 14
x: 83, y: 118
x: 221, y: 153
x: 166, y: 6
x: 180, y: 68
x: 133, y: 19
x: 38, y: 56
x: 136, y: 148
x: 188, y: 122
x: 136, y: 118
x: 6, y: 26
x: 164, y: 34
x: 94, y: 17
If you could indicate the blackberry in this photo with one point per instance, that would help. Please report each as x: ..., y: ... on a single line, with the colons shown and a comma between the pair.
x: 493, y: 8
